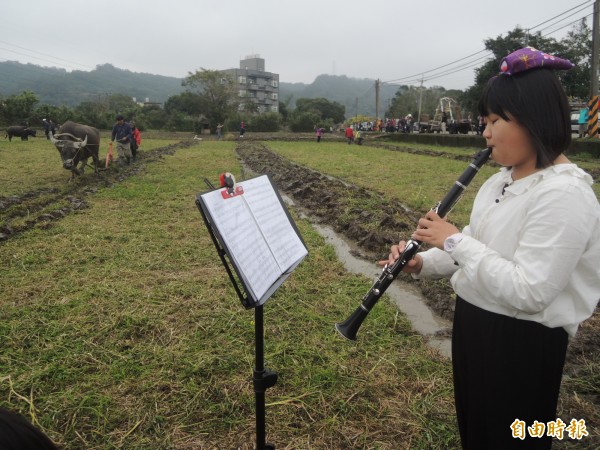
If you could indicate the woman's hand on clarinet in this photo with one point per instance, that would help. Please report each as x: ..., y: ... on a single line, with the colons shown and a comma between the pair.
x: 412, y: 266
x: 434, y: 230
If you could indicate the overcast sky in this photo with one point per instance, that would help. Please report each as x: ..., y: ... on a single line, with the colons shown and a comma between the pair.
x: 299, y: 40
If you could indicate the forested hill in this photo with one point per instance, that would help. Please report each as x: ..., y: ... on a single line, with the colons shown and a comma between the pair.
x: 356, y: 94
x: 58, y: 87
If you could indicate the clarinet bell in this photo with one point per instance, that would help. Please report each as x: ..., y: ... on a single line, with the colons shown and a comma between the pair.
x: 349, y: 328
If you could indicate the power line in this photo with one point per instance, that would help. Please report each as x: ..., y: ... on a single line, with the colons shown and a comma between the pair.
x: 29, y: 56
x: 570, y: 23
x: 451, y: 71
x: 418, y: 77
x: 561, y: 20
x: 448, y: 71
x: 561, y: 14
x: 431, y: 70
x: 39, y: 53
x: 460, y: 69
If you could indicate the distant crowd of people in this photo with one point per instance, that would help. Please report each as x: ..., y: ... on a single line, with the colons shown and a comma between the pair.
x: 407, y: 124
x: 354, y: 132
x: 390, y: 125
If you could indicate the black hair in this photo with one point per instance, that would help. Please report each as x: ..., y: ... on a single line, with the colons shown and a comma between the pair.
x: 17, y: 433
x: 537, y: 101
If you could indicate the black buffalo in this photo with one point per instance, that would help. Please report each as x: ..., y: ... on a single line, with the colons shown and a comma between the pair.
x: 76, y: 144
x: 19, y: 131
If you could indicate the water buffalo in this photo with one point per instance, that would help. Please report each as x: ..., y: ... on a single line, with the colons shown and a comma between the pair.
x: 76, y: 143
x: 19, y: 131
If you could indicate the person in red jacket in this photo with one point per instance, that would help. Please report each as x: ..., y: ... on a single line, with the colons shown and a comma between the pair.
x: 136, y: 140
x: 350, y: 134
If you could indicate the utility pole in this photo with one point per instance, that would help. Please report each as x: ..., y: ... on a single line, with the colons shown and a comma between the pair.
x: 595, y: 49
x: 420, y: 101
x: 593, y: 102
x: 377, y: 84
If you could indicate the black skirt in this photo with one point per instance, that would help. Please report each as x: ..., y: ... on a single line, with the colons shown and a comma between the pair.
x: 505, y: 369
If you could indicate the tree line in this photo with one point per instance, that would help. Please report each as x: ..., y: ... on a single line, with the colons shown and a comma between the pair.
x: 209, y: 99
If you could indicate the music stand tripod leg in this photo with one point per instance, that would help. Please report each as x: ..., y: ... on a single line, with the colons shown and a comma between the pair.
x: 262, y: 380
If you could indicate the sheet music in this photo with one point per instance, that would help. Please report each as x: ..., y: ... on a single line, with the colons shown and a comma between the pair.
x: 244, y: 240
x: 284, y: 242
x: 257, y: 232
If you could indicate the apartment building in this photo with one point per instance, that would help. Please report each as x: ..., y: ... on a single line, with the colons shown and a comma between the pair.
x: 254, y: 84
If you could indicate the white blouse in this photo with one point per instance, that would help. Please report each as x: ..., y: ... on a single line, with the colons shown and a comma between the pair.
x: 531, y: 250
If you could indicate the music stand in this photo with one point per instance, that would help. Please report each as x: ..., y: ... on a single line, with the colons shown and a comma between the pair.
x: 216, y: 212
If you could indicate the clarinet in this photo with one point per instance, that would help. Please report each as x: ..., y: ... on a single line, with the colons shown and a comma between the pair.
x: 349, y: 328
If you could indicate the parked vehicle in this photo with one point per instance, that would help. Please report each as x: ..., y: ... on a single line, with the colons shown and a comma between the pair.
x: 576, y: 107
x: 423, y: 125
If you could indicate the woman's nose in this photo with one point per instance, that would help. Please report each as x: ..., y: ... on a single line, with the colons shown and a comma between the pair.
x: 487, y: 132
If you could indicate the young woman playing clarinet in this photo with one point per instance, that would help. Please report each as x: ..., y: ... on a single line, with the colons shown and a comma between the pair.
x: 526, y: 270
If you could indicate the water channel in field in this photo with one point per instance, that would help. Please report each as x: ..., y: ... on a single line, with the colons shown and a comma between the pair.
x: 408, y: 299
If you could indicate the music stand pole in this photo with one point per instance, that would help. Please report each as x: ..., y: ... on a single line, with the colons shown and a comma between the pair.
x: 262, y: 378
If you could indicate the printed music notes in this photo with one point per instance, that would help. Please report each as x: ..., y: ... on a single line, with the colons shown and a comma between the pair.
x: 257, y: 233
